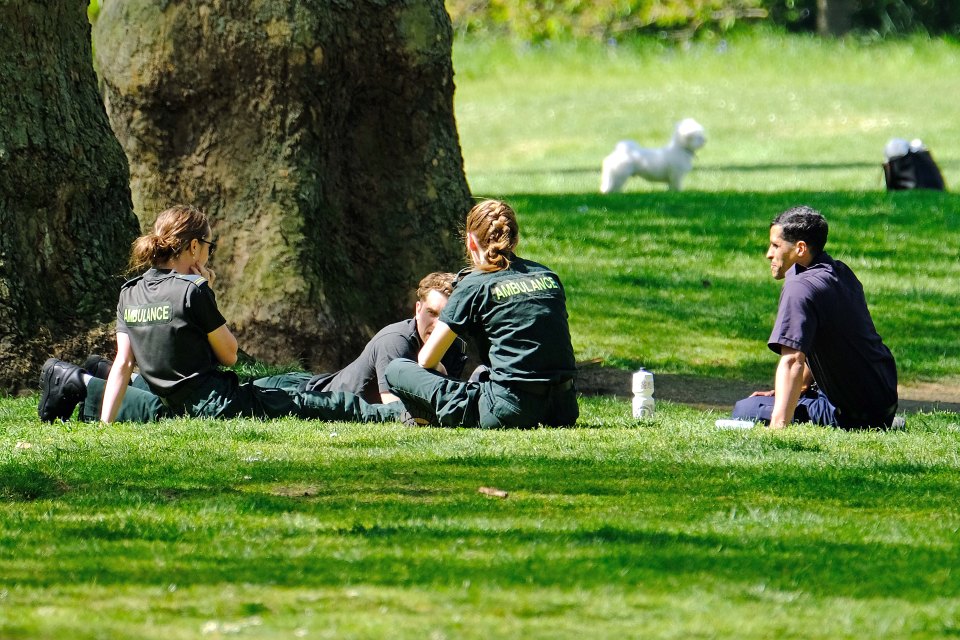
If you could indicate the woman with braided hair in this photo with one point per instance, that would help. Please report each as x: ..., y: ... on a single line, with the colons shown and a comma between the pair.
x: 515, y: 313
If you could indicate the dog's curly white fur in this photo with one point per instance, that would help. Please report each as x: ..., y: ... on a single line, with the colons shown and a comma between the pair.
x: 666, y: 164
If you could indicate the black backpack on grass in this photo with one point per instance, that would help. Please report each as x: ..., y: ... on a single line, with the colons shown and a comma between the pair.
x: 915, y: 170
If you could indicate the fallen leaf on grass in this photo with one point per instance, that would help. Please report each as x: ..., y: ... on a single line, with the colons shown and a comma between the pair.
x: 492, y: 491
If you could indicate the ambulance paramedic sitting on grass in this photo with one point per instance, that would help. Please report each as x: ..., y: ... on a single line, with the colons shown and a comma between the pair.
x: 168, y: 323
x: 515, y: 312
x: 834, y: 368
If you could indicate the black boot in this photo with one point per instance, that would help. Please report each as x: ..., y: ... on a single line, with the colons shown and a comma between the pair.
x: 97, y: 366
x: 61, y: 390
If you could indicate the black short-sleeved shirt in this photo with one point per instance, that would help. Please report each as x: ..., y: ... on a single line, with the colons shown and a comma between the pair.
x: 365, y: 375
x: 824, y: 314
x: 517, y: 317
x: 168, y: 316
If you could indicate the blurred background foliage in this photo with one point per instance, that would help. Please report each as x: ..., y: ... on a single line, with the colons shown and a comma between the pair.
x: 538, y: 21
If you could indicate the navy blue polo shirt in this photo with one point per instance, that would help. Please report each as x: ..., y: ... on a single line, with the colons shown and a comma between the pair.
x: 824, y: 314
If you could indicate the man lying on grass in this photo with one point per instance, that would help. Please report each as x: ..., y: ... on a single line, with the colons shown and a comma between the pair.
x: 834, y: 368
x: 366, y: 376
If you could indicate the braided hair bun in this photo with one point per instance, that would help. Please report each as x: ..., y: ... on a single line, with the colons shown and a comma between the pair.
x: 494, y: 225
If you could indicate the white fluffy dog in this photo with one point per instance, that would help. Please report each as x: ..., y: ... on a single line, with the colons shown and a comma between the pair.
x: 666, y: 164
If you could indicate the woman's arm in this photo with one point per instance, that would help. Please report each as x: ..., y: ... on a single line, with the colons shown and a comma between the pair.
x: 436, y: 345
x: 118, y: 379
x: 224, y: 345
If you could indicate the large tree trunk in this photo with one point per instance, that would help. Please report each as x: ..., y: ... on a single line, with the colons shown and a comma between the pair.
x: 66, y: 218
x: 320, y: 138
x: 835, y: 17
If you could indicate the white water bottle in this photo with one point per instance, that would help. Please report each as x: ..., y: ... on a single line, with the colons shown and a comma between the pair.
x: 643, y: 404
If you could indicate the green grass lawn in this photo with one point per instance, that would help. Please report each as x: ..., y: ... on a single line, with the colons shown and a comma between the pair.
x: 616, y: 529
x: 297, y: 529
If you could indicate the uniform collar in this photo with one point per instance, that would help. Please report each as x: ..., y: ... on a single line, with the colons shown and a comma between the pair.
x: 823, y: 258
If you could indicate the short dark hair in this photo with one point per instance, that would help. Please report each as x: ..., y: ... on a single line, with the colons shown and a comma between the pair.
x: 803, y: 223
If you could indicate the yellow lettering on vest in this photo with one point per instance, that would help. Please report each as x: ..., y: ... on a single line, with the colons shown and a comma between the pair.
x: 153, y: 314
x: 527, y: 285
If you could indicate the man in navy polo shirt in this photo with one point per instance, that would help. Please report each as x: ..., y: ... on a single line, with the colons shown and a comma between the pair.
x: 834, y: 368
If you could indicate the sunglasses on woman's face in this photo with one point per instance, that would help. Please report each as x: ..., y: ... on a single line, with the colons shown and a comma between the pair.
x: 211, y: 243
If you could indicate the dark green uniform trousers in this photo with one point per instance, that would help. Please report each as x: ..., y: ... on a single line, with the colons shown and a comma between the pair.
x: 223, y: 396
x: 487, y: 404
x: 139, y: 403
x: 288, y: 381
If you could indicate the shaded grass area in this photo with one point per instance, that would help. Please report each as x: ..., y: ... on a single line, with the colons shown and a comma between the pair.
x: 217, y: 527
x: 678, y: 282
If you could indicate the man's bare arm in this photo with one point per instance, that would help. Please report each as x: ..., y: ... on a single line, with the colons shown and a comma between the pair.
x: 789, y: 384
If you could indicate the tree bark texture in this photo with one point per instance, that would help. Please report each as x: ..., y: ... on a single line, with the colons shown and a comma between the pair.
x: 66, y: 217
x: 319, y: 136
x: 835, y: 17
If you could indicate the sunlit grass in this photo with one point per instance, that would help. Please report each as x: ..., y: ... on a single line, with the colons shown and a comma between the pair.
x: 781, y: 113
x: 678, y: 283
x: 668, y: 528
x: 193, y: 528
